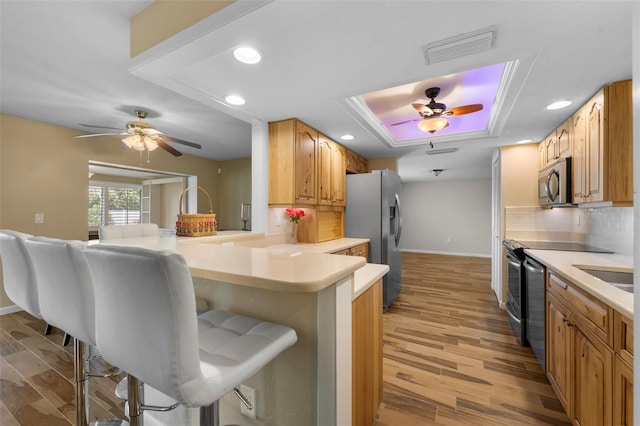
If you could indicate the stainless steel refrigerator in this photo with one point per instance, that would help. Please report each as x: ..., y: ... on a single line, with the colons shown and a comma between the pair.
x: 373, y: 212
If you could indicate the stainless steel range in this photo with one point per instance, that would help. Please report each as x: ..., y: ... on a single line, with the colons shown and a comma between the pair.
x: 525, y: 290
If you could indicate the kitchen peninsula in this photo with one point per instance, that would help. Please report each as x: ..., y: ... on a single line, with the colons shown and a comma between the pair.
x: 301, y: 286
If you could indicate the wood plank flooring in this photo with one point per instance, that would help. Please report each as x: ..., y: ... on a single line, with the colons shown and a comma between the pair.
x: 450, y: 358
x: 37, y: 386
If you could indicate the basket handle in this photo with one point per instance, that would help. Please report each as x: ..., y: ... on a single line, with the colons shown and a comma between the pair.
x: 201, y: 189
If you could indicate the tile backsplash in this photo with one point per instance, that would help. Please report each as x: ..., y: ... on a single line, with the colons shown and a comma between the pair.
x: 608, y: 227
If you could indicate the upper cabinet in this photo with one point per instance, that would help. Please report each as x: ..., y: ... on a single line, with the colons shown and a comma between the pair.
x: 557, y: 145
x: 356, y: 163
x: 603, y: 147
x: 293, y: 151
x: 332, y: 176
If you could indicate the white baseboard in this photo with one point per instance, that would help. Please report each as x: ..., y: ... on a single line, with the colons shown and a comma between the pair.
x: 9, y: 310
x: 449, y: 253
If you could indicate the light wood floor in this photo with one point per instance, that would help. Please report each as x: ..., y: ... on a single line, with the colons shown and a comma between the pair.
x: 450, y: 358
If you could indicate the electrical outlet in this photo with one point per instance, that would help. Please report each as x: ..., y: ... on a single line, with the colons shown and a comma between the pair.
x: 39, y: 218
x: 250, y: 394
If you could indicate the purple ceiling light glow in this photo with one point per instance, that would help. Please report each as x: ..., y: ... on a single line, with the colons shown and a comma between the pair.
x: 477, y: 86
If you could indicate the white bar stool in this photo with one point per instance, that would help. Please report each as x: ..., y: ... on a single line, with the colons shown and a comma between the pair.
x: 146, y: 324
x: 18, y: 275
x: 67, y: 302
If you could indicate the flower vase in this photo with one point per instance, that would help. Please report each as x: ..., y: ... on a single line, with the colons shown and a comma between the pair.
x: 293, y: 236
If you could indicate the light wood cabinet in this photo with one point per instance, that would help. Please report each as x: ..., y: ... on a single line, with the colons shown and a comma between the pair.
x: 356, y: 163
x: 563, y: 139
x: 593, y: 397
x: 559, y: 351
x: 603, y: 148
x: 551, y: 148
x: 579, y: 354
x: 366, y: 317
x: 332, y: 172
x: 579, y: 162
x: 292, y: 163
x: 321, y: 223
x: 622, y: 393
x: 623, y: 371
x: 359, y: 250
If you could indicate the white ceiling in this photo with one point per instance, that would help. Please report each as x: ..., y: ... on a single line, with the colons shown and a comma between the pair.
x: 67, y: 62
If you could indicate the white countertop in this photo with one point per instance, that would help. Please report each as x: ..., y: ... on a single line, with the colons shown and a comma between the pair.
x: 563, y: 263
x: 247, y: 260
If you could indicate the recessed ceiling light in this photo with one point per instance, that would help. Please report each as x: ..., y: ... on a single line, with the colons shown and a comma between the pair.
x: 558, y: 105
x: 524, y: 141
x: 347, y: 137
x: 234, y: 100
x: 247, y: 55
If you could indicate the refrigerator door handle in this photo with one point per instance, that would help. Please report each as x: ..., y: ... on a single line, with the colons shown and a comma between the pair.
x: 399, y: 219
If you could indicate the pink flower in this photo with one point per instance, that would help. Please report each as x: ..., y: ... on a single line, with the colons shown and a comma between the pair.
x: 294, y: 214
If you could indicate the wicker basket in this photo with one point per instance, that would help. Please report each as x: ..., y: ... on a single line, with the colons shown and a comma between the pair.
x: 196, y: 224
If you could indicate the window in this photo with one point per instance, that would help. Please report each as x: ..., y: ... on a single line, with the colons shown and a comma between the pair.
x: 113, y: 203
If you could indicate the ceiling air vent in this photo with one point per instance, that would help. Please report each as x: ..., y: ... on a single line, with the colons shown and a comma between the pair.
x: 441, y: 151
x: 460, y: 45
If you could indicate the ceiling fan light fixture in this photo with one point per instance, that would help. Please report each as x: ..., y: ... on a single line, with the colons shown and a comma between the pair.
x: 135, y: 142
x: 247, y: 55
x: 433, y: 124
x: 150, y: 143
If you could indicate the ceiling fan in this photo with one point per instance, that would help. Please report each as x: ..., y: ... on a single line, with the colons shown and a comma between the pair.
x: 141, y: 135
x: 432, y: 114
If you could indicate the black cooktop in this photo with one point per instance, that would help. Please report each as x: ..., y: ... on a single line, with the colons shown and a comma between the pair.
x: 551, y: 245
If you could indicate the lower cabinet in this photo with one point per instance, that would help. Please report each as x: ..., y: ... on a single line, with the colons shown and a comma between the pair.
x: 623, y: 371
x: 593, y: 377
x: 359, y: 250
x: 559, y: 351
x: 579, y: 363
x: 366, y: 314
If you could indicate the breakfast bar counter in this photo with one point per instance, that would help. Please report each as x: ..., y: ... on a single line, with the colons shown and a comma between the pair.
x: 298, y: 285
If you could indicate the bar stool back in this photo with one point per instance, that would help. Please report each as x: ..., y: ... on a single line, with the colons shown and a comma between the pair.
x: 67, y: 302
x: 146, y: 324
x: 18, y: 274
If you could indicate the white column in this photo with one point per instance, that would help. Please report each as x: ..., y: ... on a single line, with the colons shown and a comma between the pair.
x: 259, y: 175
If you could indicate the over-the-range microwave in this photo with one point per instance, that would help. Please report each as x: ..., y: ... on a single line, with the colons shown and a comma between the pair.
x: 554, y: 184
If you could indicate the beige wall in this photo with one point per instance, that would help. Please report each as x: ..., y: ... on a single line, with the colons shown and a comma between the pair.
x: 234, y: 187
x: 390, y: 163
x: 519, y: 185
x: 44, y: 170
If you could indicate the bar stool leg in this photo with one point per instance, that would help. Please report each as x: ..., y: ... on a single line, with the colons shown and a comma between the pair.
x: 210, y: 415
x: 82, y: 382
x: 136, y: 396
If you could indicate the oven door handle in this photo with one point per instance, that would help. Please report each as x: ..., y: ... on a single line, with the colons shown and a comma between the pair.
x: 513, y: 263
x: 532, y: 267
x: 513, y: 317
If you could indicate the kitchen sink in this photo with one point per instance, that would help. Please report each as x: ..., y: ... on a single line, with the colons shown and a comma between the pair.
x: 621, y: 279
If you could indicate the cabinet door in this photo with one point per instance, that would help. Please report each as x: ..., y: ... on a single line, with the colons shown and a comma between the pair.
x: 338, y: 174
x: 542, y: 154
x: 595, y: 148
x: 622, y: 393
x: 324, y: 166
x: 579, y: 163
x: 305, y: 164
x: 592, y: 400
x: 563, y: 139
x: 551, y: 148
x: 559, y: 351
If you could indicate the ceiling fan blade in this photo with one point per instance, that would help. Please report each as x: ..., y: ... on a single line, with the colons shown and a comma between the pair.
x: 180, y: 141
x: 100, y: 127
x: 99, y: 134
x: 466, y: 109
x: 408, y: 121
x: 168, y: 148
x: 419, y: 107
